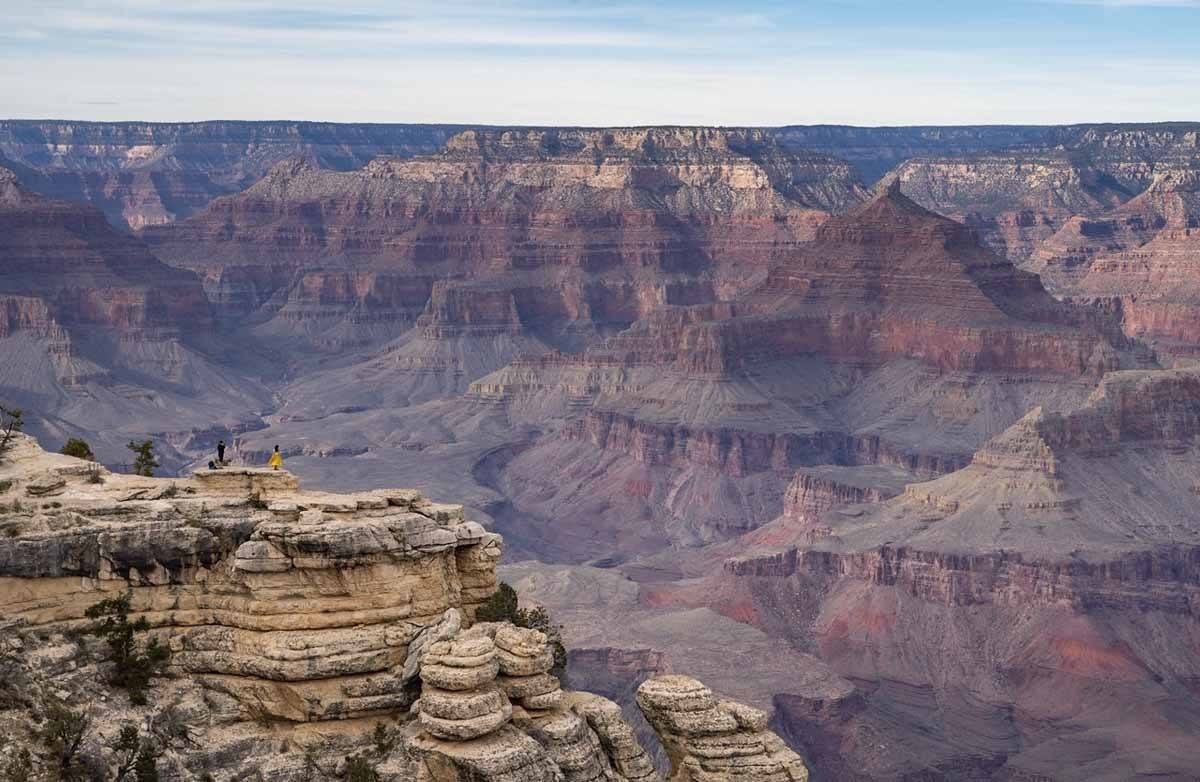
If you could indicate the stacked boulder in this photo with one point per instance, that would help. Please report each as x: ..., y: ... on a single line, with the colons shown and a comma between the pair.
x: 626, y: 755
x: 471, y: 730
x: 459, y: 696
x: 525, y: 658
x: 714, y: 741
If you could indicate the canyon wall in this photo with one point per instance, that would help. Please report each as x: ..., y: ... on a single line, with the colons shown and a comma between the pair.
x: 1009, y: 601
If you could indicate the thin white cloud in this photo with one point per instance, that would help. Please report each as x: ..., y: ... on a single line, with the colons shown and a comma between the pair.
x: 525, y: 62
x: 1130, y: 3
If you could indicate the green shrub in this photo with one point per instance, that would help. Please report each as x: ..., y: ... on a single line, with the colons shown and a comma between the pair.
x: 132, y: 666
x: 19, y: 766
x: 504, y: 606
x: 359, y: 769
x: 385, y: 740
x: 126, y: 749
x: 79, y: 449
x: 145, y: 769
x: 135, y: 756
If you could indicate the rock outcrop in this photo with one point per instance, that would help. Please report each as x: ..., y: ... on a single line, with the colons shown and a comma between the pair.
x: 711, y: 741
x: 525, y: 728
x: 335, y: 621
x: 301, y: 605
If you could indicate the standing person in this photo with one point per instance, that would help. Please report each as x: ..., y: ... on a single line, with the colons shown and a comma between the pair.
x: 276, y: 460
x: 221, y: 452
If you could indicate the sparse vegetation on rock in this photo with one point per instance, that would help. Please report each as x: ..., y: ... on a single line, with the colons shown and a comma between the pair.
x: 19, y: 766
x: 79, y: 449
x: 133, y: 665
x: 144, y: 459
x: 137, y: 758
x: 359, y: 769
x: 63, y: 733
x: 11, y: 421
x: 504, y: 606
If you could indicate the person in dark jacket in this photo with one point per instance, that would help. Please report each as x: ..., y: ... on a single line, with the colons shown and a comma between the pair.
x: 221, y: 452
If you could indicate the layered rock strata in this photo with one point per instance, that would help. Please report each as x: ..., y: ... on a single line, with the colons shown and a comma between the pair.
x: 1052, y: 564
x: 892, y: 339
x: 459, y: 696
x: 1053, y: 189
x: 141, y: 173
x: 87, y: 315
x: 299, y: 604
x: 584, y: 230
x: 307, y: 622
x: 709, y: 740
x: 470, y: 729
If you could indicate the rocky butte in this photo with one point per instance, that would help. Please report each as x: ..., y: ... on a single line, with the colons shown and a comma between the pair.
x: 1030, y: 616
x: 309, y: 632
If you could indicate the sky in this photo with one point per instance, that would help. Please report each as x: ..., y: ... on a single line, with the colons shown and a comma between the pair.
x: 535, y: 62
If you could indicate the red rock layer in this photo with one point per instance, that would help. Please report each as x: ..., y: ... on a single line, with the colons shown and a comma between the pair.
x: 82, y: 273
x: 889, y: 280
x: 598, y: 226
x: 1007, y: 609
x: 740, y: 452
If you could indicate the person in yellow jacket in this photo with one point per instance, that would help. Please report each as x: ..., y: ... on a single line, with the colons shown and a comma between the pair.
x: 276, y: 460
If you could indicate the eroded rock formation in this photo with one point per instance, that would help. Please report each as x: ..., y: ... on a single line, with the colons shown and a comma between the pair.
x: 710, y: 740
x: 698, y: 417
x: 316, y: 623
x: 143, y: 173
x: 579, y: 229
x: 1056, y: 559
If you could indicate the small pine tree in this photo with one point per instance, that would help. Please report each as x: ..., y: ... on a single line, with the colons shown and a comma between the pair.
x: 504, y: 606
x: 79, y: 449
x: 144, y: 461
x: 126, y: 750
x: 133, y: 667
x: 137, y: 759
x: 19, y: 767
x: 385, y: 740
x: 63, y: 733
x: 11, y: 422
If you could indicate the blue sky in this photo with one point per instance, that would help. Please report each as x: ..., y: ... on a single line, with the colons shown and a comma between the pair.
x: 866, y: 62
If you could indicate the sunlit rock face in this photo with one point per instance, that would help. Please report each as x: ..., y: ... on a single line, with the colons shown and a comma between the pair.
x: 299, y: 604
x: 300, y: 624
